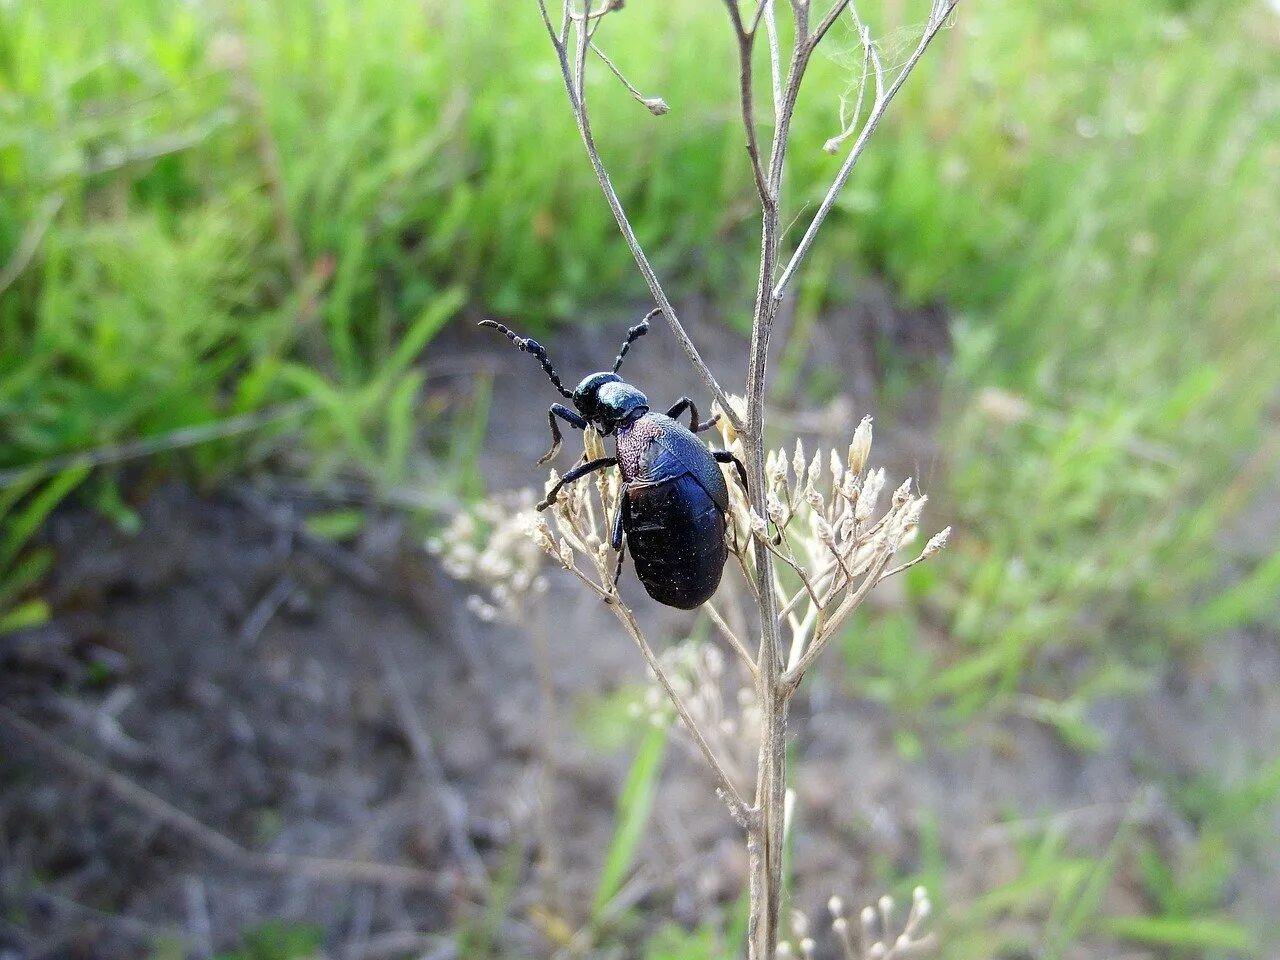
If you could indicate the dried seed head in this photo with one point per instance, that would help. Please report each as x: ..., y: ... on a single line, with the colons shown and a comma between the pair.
x: 815, y: 468
x: 860, y: 447
x: 932, y: 548
x: 849, y: 489
x: 724, y: 425
x: 656, y: 105
x: 777, y: 470
x: 813, y: 497
x: 911, y: 515
x: 825, y: 533
x: 903, y: 493
x: 798, y: 462
x: 868, y: 495
x: 774, y: 507
x: 593, y: 443
x: 758, y: 525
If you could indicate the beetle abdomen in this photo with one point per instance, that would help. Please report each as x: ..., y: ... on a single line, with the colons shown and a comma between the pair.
x: 676, y: 535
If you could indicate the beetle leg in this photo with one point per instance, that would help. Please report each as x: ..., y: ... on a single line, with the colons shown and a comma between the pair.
x: 569, y: 417
x: 724, y: 456
x: 574, y: 474
x: 683, y: 404
x: 615, y: 540
x: 617, y: 574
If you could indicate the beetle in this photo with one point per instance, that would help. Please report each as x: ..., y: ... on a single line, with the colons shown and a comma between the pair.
x: 674, y: 498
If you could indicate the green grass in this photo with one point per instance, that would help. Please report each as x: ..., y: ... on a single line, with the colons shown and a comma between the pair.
x: 255, y: 218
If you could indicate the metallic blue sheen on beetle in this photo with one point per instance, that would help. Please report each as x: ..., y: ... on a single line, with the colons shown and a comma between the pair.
x: 674, y: 497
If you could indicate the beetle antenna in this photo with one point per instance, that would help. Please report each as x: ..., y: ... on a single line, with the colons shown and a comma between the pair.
x: 529, y: 345
x: 634, y: 334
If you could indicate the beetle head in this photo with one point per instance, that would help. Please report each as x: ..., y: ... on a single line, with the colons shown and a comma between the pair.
x: 609, y: 402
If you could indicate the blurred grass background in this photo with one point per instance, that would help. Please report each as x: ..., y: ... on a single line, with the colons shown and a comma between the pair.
x: 251, y: 220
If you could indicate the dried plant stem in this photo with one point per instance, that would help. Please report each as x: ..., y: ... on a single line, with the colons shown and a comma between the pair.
x: 940, y: 15
x: 550, y: 865
x: 831, y: 592
x: 575, y: 85
x: 737, y: 806
x: 727, y: 632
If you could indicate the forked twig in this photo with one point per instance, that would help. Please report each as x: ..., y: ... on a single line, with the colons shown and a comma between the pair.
x: 575, y: 86
x: 883, y: 100
x: 832, y: 592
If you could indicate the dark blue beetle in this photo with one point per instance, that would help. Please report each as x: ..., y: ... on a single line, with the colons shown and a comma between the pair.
x: 674, y: 496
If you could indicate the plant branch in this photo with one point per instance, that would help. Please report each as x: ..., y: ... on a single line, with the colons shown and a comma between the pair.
x: 737, y: 806
x: 655, y: 105
x: 727, y: 632
x: 576, y: 88
x: 746, y: 42
x: 877, y: 112
x: 775, y: 57
x: 791, y: 679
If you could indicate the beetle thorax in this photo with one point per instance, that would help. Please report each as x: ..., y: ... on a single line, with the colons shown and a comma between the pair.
x: 633, y: 443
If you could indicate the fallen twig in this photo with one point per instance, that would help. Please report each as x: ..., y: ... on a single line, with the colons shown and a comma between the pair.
x: 213, y: 841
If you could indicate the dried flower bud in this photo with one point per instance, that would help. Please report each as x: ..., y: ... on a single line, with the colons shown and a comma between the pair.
x: 903, y: 493
x: 868, y: 495
x: 724, y: 424
x: 815, y: 468
x: 824, y: 531
x: 911, y: 516
x: 758, y: 525
x: 851, y: 486
x: 593, y: 443
x: 837, y: 470
x: 774, y: 507
x: 860, y: 446
x: 798, y: 462
x: 777, y: 468
x: 813, y: 497
x: 566, y: 554
x: 932, y: 548
x: 540, y: 533
x: 656, y: 105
